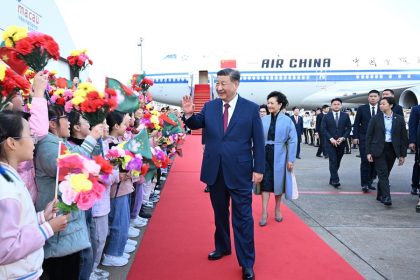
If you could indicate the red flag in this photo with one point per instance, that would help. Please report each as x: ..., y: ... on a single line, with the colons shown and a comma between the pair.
x: 10, y: 57
x: 228, y: 63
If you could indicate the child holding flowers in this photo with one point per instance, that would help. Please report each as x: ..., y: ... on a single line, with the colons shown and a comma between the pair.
x: 119, y: 216
x: 23, y: 233
x: 62, y: 252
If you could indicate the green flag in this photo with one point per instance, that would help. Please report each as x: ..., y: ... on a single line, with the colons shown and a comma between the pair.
x: 139, y: 144
x: 128, y: 100
x: 170, y: 128
x: 151, y: 172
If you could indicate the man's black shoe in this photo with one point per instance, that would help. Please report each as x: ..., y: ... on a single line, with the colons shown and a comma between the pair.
x: 370, y: 187
x: 318, y: 155
x: 298, y: 157
x: 335, y: 185
x: 207, y: 189
x: 387, y: 201
x: 213, y: 256
x: 325, y: 156
x: 357, y: 155
x: 248, y: 273
x: 414, y: 191
x: 365, y: 189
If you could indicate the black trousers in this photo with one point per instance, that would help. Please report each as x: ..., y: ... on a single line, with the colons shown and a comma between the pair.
x: 367, y: 169
x: 335, y: 154
x: 62, y: 268
x: 321, y: 148
x: 384, y: 164
x: 415, y: 175
x: 242, y: 220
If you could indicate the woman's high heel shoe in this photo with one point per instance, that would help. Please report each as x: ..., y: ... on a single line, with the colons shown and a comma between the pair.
x: 263, y: 221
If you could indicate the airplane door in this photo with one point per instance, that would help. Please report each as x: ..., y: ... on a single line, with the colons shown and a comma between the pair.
x: 203, y: 77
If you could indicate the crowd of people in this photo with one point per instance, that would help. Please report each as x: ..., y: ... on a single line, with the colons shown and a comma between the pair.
x: 38, y: 240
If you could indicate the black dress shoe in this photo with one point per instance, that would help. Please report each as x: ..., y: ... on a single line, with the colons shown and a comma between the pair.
x: 207, y: 189
x: 318, y: 155
x: 213, y: 256
x: 298, y: 157
x: 387, y: 201
x: 414, y: 191
x: 325, y: 156
x: 335, y: 185
x: 370, y: 187
x: 365, y: 189
x: 248, y: 273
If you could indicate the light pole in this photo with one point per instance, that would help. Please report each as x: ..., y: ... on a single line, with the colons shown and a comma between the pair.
x: 140, y: 44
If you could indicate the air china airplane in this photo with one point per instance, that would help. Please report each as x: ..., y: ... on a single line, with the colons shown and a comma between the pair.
x: 308, y: 82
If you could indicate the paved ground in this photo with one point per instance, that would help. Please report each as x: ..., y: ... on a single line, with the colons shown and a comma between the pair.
x: 380, y: 242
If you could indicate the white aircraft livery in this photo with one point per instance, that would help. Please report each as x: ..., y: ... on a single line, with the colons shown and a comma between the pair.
x: 308, y: 82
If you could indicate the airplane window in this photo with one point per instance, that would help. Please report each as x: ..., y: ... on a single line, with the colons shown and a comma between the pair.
x: 371, y: 76
x: 381, y: 76
x: 280, y: 77
x: 389, y: 76
x: 357, y: 77
x: 399, y: 76
x: 408, y: 76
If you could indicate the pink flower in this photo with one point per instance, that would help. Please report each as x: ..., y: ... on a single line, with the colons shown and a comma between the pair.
x: 85, y: 200
x: 68, y: 106
x: 92, y: 167
x: 68, y: 195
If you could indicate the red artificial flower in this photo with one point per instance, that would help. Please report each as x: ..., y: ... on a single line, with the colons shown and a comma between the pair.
x: 106, y: 167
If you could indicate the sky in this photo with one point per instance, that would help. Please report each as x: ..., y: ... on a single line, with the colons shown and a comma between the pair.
x: 110, y: 30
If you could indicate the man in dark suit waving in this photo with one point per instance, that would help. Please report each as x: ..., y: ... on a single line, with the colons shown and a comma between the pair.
x: 298, y: 122
x: 336, y: 127
x: 233, y: 159
x: 361, y: 122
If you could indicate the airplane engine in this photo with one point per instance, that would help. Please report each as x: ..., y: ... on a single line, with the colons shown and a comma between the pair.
x: 410, y: 97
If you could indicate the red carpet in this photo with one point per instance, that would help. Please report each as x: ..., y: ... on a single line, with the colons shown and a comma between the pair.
x: 180, y: 235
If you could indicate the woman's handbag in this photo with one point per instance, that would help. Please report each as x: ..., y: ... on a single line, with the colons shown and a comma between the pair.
x: 257, y: 188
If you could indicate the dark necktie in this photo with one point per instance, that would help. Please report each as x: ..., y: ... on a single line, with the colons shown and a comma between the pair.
x: 336, y: 119
x: 373, y: 111
x: 225, y: 117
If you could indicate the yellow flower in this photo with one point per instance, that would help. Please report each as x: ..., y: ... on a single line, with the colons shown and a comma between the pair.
x: 126, y: 160
x: 12, y: 34
x: 59, y: 92
x: 87, y: 87
x: 80, y: 182
x: 77, y: 100
x: 3, y: 68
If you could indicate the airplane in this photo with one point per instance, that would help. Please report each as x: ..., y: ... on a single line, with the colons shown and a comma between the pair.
x: 308, y: 82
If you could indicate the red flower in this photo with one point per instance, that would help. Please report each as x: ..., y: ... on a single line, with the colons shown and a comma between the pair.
x: 106, y: 167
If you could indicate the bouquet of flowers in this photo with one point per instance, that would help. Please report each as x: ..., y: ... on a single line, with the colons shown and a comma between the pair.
x: 92, y: 104
x: 62, y: 97
x: 79, y: 185
x: 159, y: 158
x: 126, y: 160
x: 142, y: 84
x: 151, y: 119
x: 10, y: 84
x: 34, y: 48
x: 78, y: 61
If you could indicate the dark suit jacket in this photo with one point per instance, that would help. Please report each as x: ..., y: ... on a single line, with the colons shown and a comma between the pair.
x: 413, y: 124
x: 239, y: 151
x: 329, y: 128
x: 362, y: 119
x: 397, y: 109
x: 375, y: 136
x: 319, y: 118
x: 299, y: 125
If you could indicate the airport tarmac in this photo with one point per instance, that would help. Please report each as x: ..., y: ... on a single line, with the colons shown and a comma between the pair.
x: 379, y: 242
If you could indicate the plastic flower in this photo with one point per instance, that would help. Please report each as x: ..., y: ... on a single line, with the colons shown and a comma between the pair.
x: 68, y: 194
x: 80, y: 182
x: 12, y: 34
